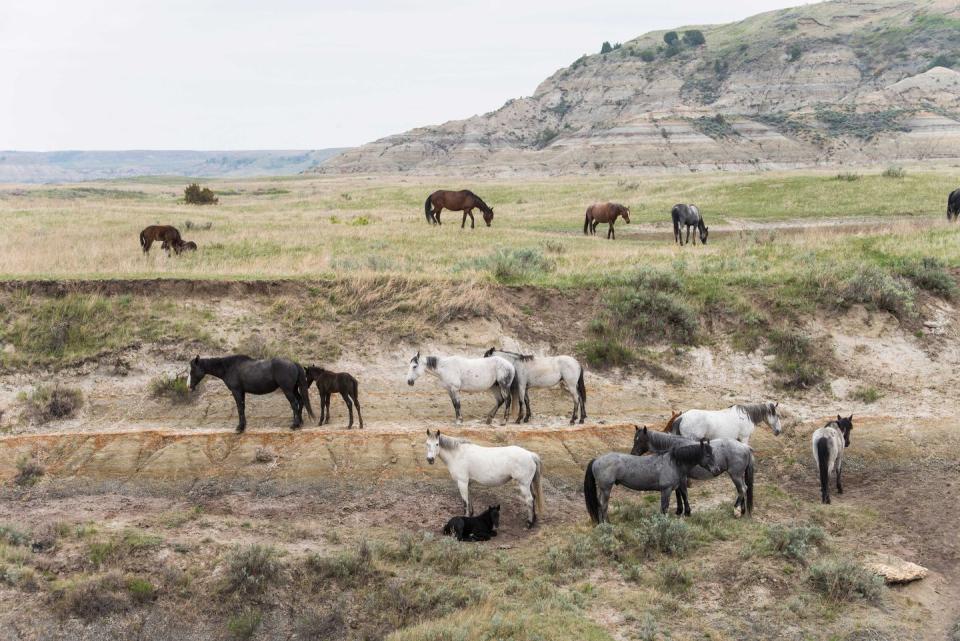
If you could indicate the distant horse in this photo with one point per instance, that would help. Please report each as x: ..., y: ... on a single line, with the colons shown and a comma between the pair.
x: 828, y: 444
x: 489, y: 466
x: 474, y: 528
x: 167, y: 235
x: 335, y: 382
x: 188, y: 246
x: 732, y: 457
x: 689, y: 216
x: 604, y: 213
x: 463, y: 200
x: 736, y: 422
x: 459, y: 374
x: 243, y: 375
x: 544, y: 372
x: 953, y: 205
x: 665, y: 472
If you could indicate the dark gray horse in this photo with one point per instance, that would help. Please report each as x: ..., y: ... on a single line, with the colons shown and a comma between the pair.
x: 243, y: 375
x: 953, y: 205
x: 732, y: 457
x: 828, y: 444
x: 688, y: 216
x: 665, y: 472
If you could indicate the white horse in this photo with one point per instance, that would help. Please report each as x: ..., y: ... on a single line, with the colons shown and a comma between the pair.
x: 736, y: 422
x: 544, y: 372
x: 456, y: 374
x: 828, y: 444
x: 489, y: 466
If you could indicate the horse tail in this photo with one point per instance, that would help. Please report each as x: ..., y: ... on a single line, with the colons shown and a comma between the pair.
x: 823, y: 459
x: 748, y: 480
x: 427, y: 209
x: 535, y: 486
x: 675, y: 214
x: 143, y: 240
x: 586, y: 221
x: 303, y: 387
x: 590, y: 493
x: 582, y: 390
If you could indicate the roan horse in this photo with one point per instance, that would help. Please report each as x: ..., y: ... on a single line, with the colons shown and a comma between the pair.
x: 953, y: 205
x: 665, y: 472
x: 490, y: 467
x: 335, y: 382
x: 544, y: 372
x: 243, y: 375
x: 828, y: 444
x: 736, y: 422
x: 689, y: 216
x: 457, y: 373
x: 604, y: 213
x: 166, y: 234
x: 463, y: 200
x: 732, y: 457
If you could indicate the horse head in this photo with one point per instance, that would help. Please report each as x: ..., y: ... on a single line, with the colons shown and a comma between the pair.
x: 196, y: 373
x: 415, y: 369
x: 704, y: 230
x: 846, y: 426
x: 706, y: 457
x: 494, y: 511
x: 488, y: 216
x: 625, y: 212
x: 433, y: 445
x: 641, y: 441
x: 773, y: 419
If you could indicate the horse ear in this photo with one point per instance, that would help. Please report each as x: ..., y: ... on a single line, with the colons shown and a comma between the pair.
x: 850, y: 418
x: 197, y: 358
x: 839, y: 418
x: 644, y: 429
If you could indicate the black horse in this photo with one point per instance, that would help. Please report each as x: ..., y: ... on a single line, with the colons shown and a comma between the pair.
x: 329, y: 382
x: 688, y: 216
x: 243, y: 375
x: 953, y: 205
x: 474, y: 528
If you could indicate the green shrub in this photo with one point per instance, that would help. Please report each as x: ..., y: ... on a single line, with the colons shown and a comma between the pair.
x: 848, y: 176
x: 671, y: 38
x: 606, y: 48
x: 929, y: 274
x: 141, y: 591
x: 794, y: 359
x: 171, y: 388
x: 794, y: 542
x: 694, y: 38
x: 653, y: 315
x: 841, y: 579
x: 244, y: 625
x: 605, y: 352
x: 672, y: 577
x: 872, y: 286
x: 516, y: 265
x: 193, y: 194
x: 794, y: 52
x: 250, y: 569
x: 865, y: 126
x: 648, y: 55
x: 29, y: 472
x: 866, y: 394
x: 348, y: 568
x: 715, y: 127
x: 45, y: 404
x: 894, y: 172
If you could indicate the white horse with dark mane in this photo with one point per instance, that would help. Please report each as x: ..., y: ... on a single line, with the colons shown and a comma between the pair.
x: 736, y: 422
x: 459, y: 374
x: 545, y: 372
x: 828, y: 444
x: 489, y: 466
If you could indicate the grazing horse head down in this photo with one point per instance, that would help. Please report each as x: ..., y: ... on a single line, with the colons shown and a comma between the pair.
x: 196, y: 373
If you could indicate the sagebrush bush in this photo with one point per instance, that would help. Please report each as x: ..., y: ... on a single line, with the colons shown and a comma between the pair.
x: 894, y: 172
x: 244, y: 625
x: 516, y: 265
x: 171, y: 388
x: 795, y: 359
x: 45, y: 403
x: 29, y: 472
x: 870, y: 285
x: 347, y: 568
x: 930, y: 274
x: 91, y: 598
x: 250, y: 569
x: 605, y: 352
x: 842, y: 579
x: 795, y: 542
x: 194, y: 194
x: 673, y: 577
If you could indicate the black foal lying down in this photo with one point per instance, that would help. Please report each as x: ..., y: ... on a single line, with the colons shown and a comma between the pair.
x: 475, y: 528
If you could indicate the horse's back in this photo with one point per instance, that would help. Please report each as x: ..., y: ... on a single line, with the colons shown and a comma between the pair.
x: 496, y: 465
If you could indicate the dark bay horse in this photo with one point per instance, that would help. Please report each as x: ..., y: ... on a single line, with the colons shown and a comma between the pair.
x: 188, y: 246
x: 243, y: 375
x: 604, y: 213
x: 166, y: 234
x: 463, y: 200
x: 330, y: 382
x: 688, y: 216
x: 953, y: 205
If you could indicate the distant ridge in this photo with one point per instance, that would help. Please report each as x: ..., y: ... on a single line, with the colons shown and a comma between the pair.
x: 76, y: 166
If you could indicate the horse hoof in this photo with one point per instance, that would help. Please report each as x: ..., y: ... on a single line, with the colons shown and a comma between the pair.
x: 240, y: 430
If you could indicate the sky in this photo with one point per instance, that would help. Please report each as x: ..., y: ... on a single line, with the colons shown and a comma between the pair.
x: 292, y: 74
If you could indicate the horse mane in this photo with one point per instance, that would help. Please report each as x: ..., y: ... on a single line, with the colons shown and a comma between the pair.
x: 431, y: 362
x: 756, y: 412
x: 661, y: 441
x: 673, y: 417
x: 686, y: 453
x: 451, y: 442
x: 482, y: 205
x: 516, y: 355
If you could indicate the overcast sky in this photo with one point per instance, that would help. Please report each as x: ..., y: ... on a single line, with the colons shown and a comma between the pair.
x: 292, y: 74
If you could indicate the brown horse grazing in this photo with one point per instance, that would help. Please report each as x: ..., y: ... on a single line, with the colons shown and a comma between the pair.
x: 188, y: 246
x: 604, y: 213
x: 464, y: 200
x: 329, y: 382
x: 166, y: 234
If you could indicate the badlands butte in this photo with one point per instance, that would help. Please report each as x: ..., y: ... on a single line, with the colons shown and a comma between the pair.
x: 828, y: 84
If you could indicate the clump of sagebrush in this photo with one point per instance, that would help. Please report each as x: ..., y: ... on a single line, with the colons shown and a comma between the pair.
x: 794, y: 542
x: 244, y: 625
x: 796, y: 360
x: 673, y: 577
x: 651, y: 309
x: 170, y: 387
x: 194, y: 194
x: 45, y: 403
x: 91, y: 598
x: 250, y: 569
x: 866, y: 394
x: 842, y: 579
x: 518, y: 265
x: 848, y: 176
x: 605, y: 351
x: 870, y: 285
x: 894, y: 172
x: 264, y: 455
x: 191, y: 226
x: 346, y: 568
x: 29, y: 471
x: 930, y: 274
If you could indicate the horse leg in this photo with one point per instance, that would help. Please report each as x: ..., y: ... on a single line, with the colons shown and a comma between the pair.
x: 472, y: 220
x: 526, y: 404
x: 296, y: 406
x: 528, y: 499
x: 741, y: 501
x: 356, y: 402
x: 839, y: 484
x: 464, y: 223
x: 679, y: 501
x: 686, y: 498
x: 604, y: 500
x: 455, y: 399
x: 497, y: 394
x: 688, y: 235
x: 346, y: 399
x: 464, y: 487
x: 665, y: 499
x: 238, y: 396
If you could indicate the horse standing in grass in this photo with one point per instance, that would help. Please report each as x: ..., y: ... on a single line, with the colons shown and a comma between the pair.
x: 463, y: 200
x: 490, y: 467
x: 604, y: 213
x: 168, y: 235
x: 736, y: 422
x: 665, y: 472
x: 953, y: 205
x: 828, y: 444
x: 459, y: 374
x: 732, y: 457
x: 544, y: 372
x: 689, y: 216
x: 243, y: 375
x: 188, y: 246
x: 329, y: 383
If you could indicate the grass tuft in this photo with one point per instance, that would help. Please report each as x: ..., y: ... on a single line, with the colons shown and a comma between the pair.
x: 45, y: 403
x: 844, y: 580
x: 250, y: 569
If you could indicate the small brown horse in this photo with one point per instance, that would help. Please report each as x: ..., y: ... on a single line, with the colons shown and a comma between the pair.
x: 166, y: 234
x: 188, y: 246
x: 668, y: 428
x: 329, y: 382
x: 464, y: 200
x: 604, y: 213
